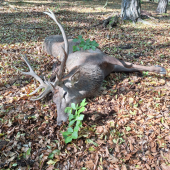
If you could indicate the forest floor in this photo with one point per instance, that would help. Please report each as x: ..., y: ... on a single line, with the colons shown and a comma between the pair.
x: 126, y: 127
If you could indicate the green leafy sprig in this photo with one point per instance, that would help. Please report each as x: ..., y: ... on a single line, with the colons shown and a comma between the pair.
x: 85, y: 44
x: 77, y: 118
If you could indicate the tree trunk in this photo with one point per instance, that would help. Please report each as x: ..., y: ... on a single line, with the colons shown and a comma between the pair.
x: 162, y: 6
x: 130, y: 10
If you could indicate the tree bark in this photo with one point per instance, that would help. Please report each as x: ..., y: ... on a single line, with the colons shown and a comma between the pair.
x: 131, y: 10
x: 162, y: 6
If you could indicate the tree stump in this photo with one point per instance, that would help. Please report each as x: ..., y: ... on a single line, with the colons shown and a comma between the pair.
x: 131, y: 10
x: 162, y: 6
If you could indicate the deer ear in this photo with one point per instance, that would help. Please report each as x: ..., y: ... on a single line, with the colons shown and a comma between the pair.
x: 75, y: 77
x: 103, y: 65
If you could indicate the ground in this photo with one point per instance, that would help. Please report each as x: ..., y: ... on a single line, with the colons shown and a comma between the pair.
x: 125, y: 127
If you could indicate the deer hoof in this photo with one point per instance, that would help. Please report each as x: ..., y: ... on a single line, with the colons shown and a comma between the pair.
x: 162, y: 70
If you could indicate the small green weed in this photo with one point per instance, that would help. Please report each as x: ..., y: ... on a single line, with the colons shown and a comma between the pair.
x: 72, y: 133
x: 86, y: 45
x: 145, y: 73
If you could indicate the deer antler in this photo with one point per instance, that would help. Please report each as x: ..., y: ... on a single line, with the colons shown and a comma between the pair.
x: 43, y: 84
x: 47, y: 84
x: 62, y: 67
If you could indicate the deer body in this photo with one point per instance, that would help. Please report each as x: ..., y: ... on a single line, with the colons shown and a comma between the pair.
x: 93, y: 68
x: 86, y: 71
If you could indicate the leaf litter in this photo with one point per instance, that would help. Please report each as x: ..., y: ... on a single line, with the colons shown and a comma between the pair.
x: 125, y: 127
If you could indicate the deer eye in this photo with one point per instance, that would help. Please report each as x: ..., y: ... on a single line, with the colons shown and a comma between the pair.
x: 64, y: 95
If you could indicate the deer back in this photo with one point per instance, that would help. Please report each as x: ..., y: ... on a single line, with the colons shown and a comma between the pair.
x: 52, y: 45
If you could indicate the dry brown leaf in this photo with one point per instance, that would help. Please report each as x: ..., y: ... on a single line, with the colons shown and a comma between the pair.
x: 127, y: 157
x: 123, y: 167
x: 96, y: 160
x: 165, y: 167
x: 153, y: 147
x: 117, y: 149
x: 167, y: 138
x: 100, y: 129
x: 51, y: 167
x: 166, y: 156
x: 90, y: 164
x: 131, y: 146
x: 113, y: 159
x: 116, y: 167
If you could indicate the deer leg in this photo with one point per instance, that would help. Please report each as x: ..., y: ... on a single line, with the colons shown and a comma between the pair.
x: 119, y: 68
x: 155, y: 69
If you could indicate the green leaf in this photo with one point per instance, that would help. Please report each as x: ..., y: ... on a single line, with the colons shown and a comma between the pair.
x: 15, y: 164
x: 71, y: 123
x: 88, y: 40
x: 114, y: 140
x: 76, y: 48
x: 68, y: 139
x: 93, y: 48
x: 2, y: 134
x: 28, y: 151
x: 75, y: 135
x: 87, y: 47
x: 49, y: 147
x: 51, y: 156
x: 56, y: 151
x: 73, y: 106
x: 128, y: 129
x: 90, y: 141
x: 79, y: 123
x: 75, y: 40
x: 66, y: 133
x: 76, y: 128
x: 93, y: 42
x: 51, y: 162
x: 24, y: 155
x: 70, y: 129
x: 91, y: 149
x: 68, y: 110
x: 80, y: 37
x: 81, y: 110
x: 80, y: 117
x: 162, y: 120
x: 84, y: 47
x: 71, y: 116
x: 83, y: 103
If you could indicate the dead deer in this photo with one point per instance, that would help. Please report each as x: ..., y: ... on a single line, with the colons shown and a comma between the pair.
x: 86, y: 72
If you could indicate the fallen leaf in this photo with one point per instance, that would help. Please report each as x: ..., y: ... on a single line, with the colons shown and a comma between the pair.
x: 90, y: 164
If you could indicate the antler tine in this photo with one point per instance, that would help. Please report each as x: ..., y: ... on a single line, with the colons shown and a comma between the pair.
x: 51, y: 14
x: 48, y: 88
x: 31, y: 72
x: 43, y: 84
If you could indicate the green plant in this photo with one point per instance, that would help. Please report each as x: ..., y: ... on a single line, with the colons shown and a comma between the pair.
x: 86, y: 45
x: 72, y: 133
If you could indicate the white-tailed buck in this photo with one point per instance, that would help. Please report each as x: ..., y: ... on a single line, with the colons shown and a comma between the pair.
x: 86, y: 72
